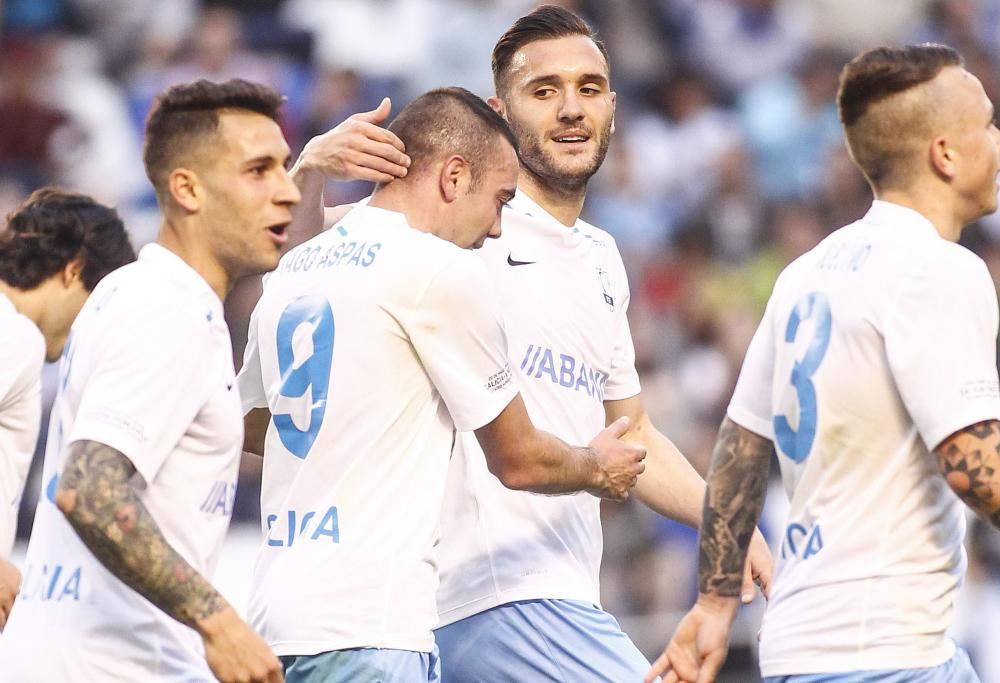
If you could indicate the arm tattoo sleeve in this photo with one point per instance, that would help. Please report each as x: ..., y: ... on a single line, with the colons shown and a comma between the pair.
x: 733, y: 501
x: 97, y: 496
x: 970, y: 462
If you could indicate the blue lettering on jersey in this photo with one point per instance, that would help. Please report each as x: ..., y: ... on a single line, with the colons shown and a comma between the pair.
x: 845, y: 257
x: 572, y: 373
x: 51, y: 487
x: 801, y: 542
x: 57, y: 582
x: 307, y: 258
x: 295, y: 527
x: 220, y: 499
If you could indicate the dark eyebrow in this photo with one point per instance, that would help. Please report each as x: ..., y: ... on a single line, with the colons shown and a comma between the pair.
x: 268, y: 160
x: 552, y: 79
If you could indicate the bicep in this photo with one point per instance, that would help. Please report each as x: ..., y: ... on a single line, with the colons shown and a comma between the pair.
x: 969, y: 460
x: 93, y: 473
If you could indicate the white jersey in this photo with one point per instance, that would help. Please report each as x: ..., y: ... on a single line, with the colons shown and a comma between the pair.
x: 371, y: 343
x: 22, y: 352
x: 876, y: 345
x: 147, y: 370
x: 564, y: 296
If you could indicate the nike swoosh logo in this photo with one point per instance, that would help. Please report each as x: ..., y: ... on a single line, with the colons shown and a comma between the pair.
x: 512, y: 262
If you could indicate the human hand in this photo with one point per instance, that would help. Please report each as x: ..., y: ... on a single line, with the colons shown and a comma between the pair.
x: 699, y: 646
x: 759, y: 569
x: 10, y: 584
x: 235, y: 653
x: 358, y: 149
x: 619, y: 463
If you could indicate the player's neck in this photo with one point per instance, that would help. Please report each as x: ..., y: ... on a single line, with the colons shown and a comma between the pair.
x: 563, y: 205
x: 408, y: 201
x: 196, y: 255
x: 938, y: 210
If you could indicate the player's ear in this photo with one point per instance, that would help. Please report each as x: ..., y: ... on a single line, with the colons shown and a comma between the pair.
x: 71, y: 272
x: 614, y: 100
x: 455, y: 177
x: 497, y: 105
x: 185, y: 189
x: 943, y: 158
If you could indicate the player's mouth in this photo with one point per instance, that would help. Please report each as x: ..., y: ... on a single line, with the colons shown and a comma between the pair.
x: 572, y: 140
x: 279, y: 232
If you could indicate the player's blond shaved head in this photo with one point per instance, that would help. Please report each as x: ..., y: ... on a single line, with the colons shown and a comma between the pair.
x: 892, y: 105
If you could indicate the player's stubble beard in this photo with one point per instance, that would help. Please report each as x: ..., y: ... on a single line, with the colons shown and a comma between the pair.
x: 543, y: 166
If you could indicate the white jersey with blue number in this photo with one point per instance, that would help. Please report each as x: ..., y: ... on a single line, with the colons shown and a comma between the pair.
x: 876, y: 345
x: 148, y: 370
x: 564, y: 296
x: 371, y: 343
x: 22, y: 352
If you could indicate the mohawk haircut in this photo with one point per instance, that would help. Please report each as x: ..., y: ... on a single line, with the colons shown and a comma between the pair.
x: 450, y: 121
x: 880, y: 107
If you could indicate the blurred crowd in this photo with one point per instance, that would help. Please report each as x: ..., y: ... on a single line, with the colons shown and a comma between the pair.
x: 727, y: 163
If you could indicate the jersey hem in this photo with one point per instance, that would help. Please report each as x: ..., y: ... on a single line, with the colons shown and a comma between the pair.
x: 309, y: 648
x: 872, y: 662
x: 488, y: 602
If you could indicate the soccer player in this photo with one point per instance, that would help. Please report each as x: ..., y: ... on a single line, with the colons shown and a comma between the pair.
x: 371, y: 344
x: 55, y: 249
x: 145, y: 438
x: 873, y: 373
x: 519, y: 597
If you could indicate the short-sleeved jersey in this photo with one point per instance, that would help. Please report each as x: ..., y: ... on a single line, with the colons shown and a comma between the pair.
x: 564, y: 297
x: 22, y: 352
x: 875, y: 346
x: 371, y: 344
x: 148, y: 371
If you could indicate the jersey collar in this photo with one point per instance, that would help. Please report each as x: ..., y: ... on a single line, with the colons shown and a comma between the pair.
x: 178, y: 269
x: 883, y: 213
x: 525, y: 205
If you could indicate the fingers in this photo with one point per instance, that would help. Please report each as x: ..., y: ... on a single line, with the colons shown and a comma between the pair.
x: 660, y: 666
x: 748, y: 589
x: 377, y: 115
x: 710, y: 667
x: 618, y: 427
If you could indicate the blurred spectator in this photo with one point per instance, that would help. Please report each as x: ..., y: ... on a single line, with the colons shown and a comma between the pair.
x: 29, y: 121
x: 792, y: 126
x: 854, y: 25
x: 740, y: 42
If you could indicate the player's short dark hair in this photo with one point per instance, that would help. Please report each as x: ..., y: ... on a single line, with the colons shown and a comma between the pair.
x: 884, y: 71
x: 873, y: 77
x: 184, y: 114
x: 544, y: 23
x: 52, y: 228
x: 450, y: 121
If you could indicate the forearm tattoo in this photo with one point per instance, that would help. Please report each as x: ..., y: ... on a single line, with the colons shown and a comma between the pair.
x: 102, y: 506
x: 733, y: 500
x: 970, y: 462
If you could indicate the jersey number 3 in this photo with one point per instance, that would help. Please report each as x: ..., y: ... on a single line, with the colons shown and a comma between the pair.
x: 305, y: 354
x: 815, y: 307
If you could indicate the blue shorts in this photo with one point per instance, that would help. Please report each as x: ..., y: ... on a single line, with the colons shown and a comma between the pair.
x: 537, y: 641
x: 958, y: 669
x: 363, y: 665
